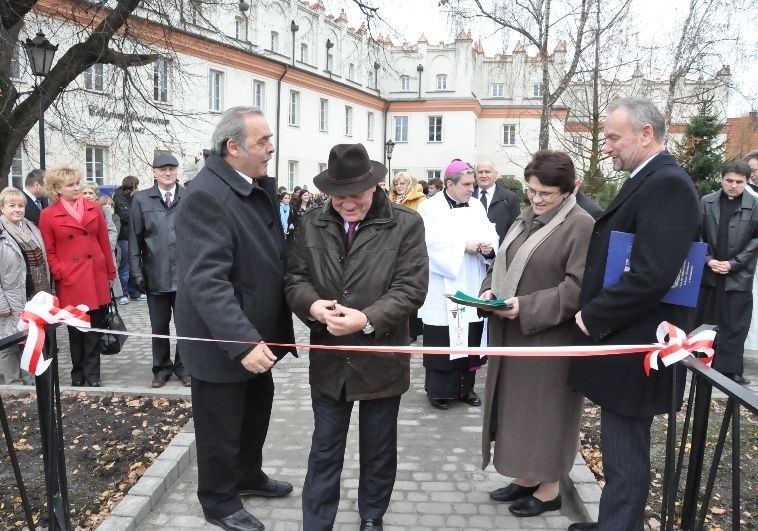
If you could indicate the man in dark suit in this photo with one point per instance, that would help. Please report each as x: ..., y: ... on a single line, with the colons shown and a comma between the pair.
x: 36, y: 200
x: 230, y: 262
x: 659, y: 205
x: 584, y: 201
x: 152, y: 260
x: 500, y: 203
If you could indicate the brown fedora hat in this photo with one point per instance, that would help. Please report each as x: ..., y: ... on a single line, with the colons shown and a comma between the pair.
x: 350, y: 171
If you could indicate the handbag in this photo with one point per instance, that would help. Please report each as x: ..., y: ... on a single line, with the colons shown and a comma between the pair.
x: 112, y: 343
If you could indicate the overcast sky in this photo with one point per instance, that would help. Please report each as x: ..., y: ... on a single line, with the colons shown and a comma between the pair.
x: 655, y: 20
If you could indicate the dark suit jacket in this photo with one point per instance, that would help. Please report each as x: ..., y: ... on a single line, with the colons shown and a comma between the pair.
x: 590, y: 206
x: 31, y: 211
x: 231, y: 261
x: 503, y: 209
x: 659, y: 205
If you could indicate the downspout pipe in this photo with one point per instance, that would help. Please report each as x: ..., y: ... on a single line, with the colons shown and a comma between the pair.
x: 279, y: 119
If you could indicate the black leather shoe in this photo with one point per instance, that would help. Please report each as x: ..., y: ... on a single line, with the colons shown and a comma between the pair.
x: 439, y: 403
x: 239, y: 521
x: 158, y: 381
x: 532, y: 506
x: 374, y: 525
x: 583, y: 526
x: 95, y: 383
x: 271, y: 488
x: 512, y: 492
x: 472, y: 399
x: 739, y: 379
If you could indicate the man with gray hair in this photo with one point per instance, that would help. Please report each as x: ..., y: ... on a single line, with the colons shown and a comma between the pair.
x: 658, y: 204
x: 230, y: 287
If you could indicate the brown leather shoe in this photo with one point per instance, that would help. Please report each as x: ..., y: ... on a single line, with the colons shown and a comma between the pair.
x: 158, y: 381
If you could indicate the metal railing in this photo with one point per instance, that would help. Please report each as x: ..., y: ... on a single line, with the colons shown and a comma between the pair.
x: 695, y: 501
x: 51, y: 434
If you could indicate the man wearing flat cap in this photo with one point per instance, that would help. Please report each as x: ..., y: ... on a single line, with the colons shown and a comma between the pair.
x: 358, y: 268
x: 152, y: 260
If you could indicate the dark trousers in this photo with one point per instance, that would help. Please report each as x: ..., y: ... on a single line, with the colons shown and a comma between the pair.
x: 732, y: 311
x: 160, y: 306
x: 123, y: 270
x: 378, y: 456
x: 85, y: 350
x: 625, y: 443
x: 231, y: 423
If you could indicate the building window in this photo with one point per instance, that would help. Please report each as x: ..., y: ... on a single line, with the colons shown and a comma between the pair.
x: 93, y: 78
x: 323, y: 114
x: 401, y: 128
x: 294, y: 113
x: 433, y: 174
x: 16, y: 177
x: 405, y: 83
x: 304, y: 53
x: 509, y: 135
x: 351, y: 72
x: 435, y: 128
x: 15, y: 66
x: 160, y: 80
x: 497, y: 90
x: 348, y: 120
x: 215, y: 90
x: 329, y: 61
x: 97, y: 158
x: 537, y: 90
x: 576, y: 144
x: 370, y: 126
x: 258, y: 94
x: 274, y: 41
x: 441, y: 81
x: 291, y: 174
x: 240, y: 28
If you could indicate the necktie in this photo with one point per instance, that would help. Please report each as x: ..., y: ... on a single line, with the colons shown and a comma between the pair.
x: 483, y: 199
x: 351, y: 226
x: 168, y: 199
x: 38, y: 202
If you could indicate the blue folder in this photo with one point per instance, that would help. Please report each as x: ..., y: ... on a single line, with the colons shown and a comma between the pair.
x: 686, y: 287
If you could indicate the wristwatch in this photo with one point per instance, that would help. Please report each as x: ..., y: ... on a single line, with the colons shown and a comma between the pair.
x: 369, y: 328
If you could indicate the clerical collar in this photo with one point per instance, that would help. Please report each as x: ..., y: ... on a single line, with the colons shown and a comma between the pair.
x: 730, y: 198
x: 452, y: 202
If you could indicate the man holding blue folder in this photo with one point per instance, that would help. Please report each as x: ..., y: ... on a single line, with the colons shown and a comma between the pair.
x: 658, y: 204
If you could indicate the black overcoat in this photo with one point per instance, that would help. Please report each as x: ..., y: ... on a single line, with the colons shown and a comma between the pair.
x: 503, y: 209
x: 231, y: 261
x: 659, y: 205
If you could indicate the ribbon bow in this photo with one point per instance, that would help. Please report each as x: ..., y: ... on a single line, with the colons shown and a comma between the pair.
x: 678, y: 346
x: 41, y: 310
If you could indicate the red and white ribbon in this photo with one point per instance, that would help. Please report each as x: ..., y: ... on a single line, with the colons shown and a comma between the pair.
x: 41, y: 310
x: 678, y: 346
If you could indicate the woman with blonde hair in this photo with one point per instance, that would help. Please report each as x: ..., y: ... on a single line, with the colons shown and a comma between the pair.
x: 81, y: 262
x: 91, y: 190
x: 24, y: 272
x: 406, y: 191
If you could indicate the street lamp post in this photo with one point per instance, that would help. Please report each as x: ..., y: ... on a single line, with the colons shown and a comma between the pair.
x: 389, y: 147
x: 293, y: 28
x: 40, y: 52
x: 419, y: 69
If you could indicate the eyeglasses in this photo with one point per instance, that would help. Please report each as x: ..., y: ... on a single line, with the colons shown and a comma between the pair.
x: 544, y: 196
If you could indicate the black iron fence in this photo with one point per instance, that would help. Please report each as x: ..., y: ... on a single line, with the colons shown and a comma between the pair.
x: 51, y: 433
x: 695, y: 497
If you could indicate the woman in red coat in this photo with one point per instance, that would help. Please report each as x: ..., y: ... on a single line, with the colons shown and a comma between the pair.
x: 79, y: 255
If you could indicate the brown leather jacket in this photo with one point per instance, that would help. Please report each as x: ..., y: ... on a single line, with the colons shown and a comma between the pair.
x: 384, y: 275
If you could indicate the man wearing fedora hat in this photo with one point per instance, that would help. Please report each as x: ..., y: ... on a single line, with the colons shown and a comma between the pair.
x: 152, y: 260
x: 357, y: 270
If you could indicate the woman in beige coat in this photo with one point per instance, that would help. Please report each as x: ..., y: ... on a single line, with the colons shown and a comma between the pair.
x: 529, y: 411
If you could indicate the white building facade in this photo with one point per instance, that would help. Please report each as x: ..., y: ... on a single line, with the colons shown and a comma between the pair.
x: 318, y: 81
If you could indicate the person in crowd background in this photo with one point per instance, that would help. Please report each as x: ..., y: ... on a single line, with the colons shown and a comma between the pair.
x: 424, y: 187
x: 299, y: 207
x: 730, y: 228
x: 91, y: 190
x: 659, y: 205
x: 435, y: 185
x: 500, y: 203
x: 406, y: 191
x: 461, y: 242
x: 152, y: 261
x: 36, y: 197
x: 24, y: 273
x: 752, y: 161
x: 539, y: 269
x: 285, y: 212
x: 586, y: 202
x: 122, y: 198
x: 81, y: 262
x: 231, y: 260
x: 362, y: 296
